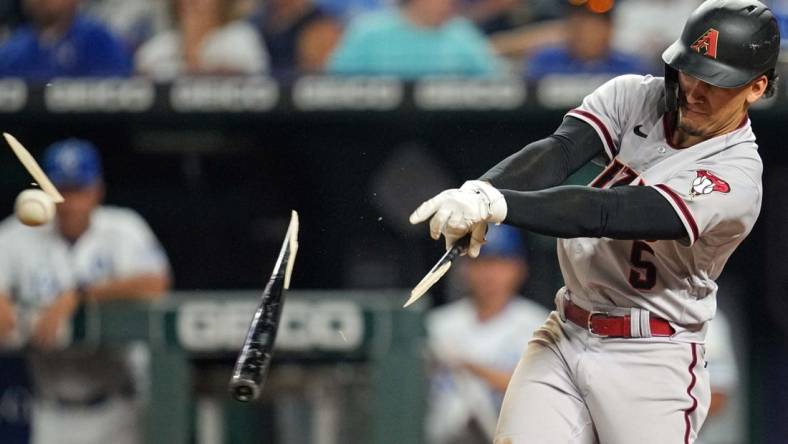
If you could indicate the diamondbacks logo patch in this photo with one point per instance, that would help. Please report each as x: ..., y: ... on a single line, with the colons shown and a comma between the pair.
x: 707, y: 43
x: 707, y: 183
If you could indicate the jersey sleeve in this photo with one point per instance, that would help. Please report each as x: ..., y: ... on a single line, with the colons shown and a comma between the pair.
x: 716, y: 205
x: 609, y: 108
x: 139, y: 251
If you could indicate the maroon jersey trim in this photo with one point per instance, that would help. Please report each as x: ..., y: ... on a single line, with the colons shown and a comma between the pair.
x: 597, y: 123
x: 685, y: 212
x: 688, y: 412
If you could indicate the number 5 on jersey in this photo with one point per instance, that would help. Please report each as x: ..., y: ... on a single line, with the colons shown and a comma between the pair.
x: 643, y: 274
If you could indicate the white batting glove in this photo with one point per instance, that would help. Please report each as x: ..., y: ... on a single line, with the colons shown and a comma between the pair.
x: 457, y: 212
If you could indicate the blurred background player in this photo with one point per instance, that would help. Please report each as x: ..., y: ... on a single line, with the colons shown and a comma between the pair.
x: 89, y: 253
x: 724, y: 424
x: 207, y: 37
x: 416, y: 39
x: 59, y: 41
x: 477, y: 340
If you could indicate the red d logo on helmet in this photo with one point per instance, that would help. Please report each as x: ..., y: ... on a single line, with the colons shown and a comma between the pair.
x: 707, y: 43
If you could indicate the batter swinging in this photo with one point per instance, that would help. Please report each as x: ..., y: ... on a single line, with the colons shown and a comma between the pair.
x: 621, y: 360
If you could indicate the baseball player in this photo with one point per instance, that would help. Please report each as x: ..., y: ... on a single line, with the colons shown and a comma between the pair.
x: 89, y: 253
x: 476, y: 341
x: 621, y: 360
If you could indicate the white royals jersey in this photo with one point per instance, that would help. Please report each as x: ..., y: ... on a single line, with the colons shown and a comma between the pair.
x: 714, y: 187
x: 455, y: 334
x: 38, y: 264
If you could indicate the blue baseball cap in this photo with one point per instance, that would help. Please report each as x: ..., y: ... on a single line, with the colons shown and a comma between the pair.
x: 503, y: 241
x: 72, y: 163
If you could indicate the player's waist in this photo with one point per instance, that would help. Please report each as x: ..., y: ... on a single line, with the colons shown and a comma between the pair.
x: 611, y: 321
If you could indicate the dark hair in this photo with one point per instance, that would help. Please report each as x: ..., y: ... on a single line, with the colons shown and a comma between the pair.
x: 771, y: 87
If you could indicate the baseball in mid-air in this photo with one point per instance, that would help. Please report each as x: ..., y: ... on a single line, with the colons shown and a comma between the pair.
x: 34, y: 207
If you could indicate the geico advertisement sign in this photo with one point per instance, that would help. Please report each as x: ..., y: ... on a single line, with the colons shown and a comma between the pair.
x: 331, y: 325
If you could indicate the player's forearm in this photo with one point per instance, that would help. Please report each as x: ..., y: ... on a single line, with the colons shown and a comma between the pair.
x: 496, y: 379
x: 547, y: 162
x: 627, y: 212
x: 7, y: 315
x: 142, y: 287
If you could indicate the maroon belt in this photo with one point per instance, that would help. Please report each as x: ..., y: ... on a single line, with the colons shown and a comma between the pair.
x: 605, y: 325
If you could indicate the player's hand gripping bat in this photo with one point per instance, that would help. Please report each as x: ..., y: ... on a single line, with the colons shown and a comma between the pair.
x: 255, y: 357
x: 440, y: 268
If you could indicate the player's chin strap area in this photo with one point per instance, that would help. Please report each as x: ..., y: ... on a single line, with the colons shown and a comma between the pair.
x: 671, y: 89
x: 638, y: 324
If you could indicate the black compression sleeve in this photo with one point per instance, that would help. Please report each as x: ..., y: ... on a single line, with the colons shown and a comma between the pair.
x: 627, y: 212
x: 547, y: 162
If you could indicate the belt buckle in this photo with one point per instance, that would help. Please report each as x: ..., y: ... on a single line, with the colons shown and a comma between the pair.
x: 590, y: 328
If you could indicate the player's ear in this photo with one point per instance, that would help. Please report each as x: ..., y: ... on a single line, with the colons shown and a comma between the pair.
x: 756, y: 89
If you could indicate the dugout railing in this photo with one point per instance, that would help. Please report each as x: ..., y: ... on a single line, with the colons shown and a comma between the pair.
x: 318, y: 328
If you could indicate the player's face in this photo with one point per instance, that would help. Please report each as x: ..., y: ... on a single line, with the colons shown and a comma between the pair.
x: 73, y: 215
x: 707, y: 111
x: 495, y: 280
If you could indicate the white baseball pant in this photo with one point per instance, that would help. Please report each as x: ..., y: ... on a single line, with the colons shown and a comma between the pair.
x: 571, y: 387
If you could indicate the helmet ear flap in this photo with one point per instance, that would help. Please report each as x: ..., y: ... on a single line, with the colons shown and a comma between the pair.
x: 671, y: 89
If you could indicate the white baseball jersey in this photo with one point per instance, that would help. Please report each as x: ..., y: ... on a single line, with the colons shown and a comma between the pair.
x: 455, y: 333
x: 714, y: 187
x: 38, y: 264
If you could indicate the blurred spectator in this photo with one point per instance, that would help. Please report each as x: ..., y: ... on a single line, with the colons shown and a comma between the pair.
x: 722, y: 425
x: 135, y: 21
x: 347, y: 10
x: 520, y: 43
x: 210, y: 37
x: 647, y: 27
x: 89, y: 253
x: 10, y: 17
x: 586, y: 50
x: 477, y: 341
x: 299, y: 36
x: 489, y: 15
x: 61, y: 42
x: 420, y: 38
x: 501, y: 15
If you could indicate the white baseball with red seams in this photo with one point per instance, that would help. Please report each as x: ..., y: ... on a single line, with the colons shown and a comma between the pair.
x: 572, y: 386
x: 34, y: 207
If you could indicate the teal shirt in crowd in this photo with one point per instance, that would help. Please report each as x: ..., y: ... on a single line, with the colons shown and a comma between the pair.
x: 386, y: 43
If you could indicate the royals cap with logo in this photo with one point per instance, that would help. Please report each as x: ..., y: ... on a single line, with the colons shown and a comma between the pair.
x: 72, y: 163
